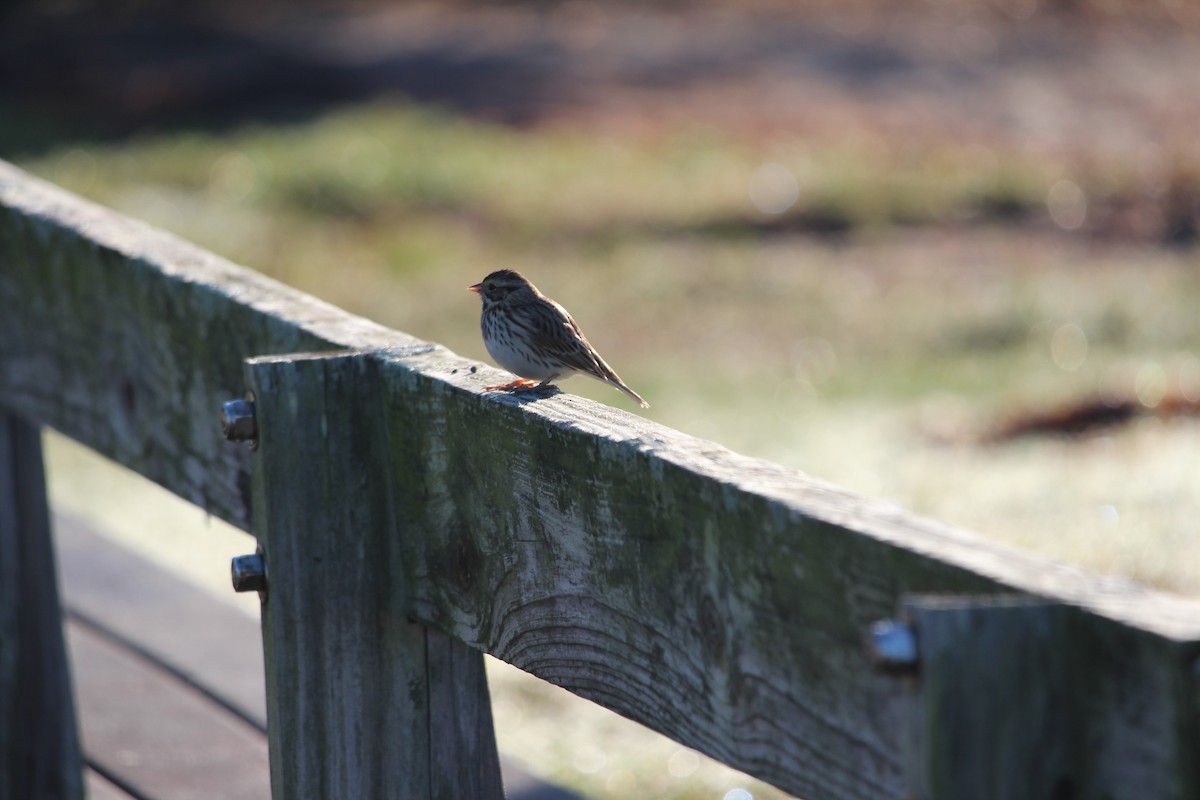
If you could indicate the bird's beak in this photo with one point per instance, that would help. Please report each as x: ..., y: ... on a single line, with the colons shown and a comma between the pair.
x: 476, y: 288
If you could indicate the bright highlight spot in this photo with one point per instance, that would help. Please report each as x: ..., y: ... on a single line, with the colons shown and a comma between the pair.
x: 80, y: 168
x: 773, y: 188
x: 1150, y: 385
x: 590, y: 759
x: 1069, y: 347
x: 683, y: 763
x: 814, y: 359
x: 1189, y: 379
x: 232, y: 177
x: 1067, y: 205
x: 738, y: 794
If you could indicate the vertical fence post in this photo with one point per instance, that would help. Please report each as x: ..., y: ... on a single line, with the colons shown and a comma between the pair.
x: 1020, y: 698
x: 39, y: 744
x: 361, y: 702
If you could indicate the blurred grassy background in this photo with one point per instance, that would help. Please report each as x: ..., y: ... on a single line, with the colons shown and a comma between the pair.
x: 868, y: 284
x: 909, y: 341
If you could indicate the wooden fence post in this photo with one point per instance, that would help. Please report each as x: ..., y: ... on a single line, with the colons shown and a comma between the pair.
x: 1020, y: 698
x: 361, y: 702
x: 39, y: 743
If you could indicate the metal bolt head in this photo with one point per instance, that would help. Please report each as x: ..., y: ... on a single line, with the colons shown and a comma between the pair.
x: 892, y: 647
x: 238, y: 422
x: 249, y: 573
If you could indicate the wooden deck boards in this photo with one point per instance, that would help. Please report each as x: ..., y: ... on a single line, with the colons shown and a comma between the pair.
x: 141, y: 725
x: 99, y: 788
x: 209, y: 645
x: 169, y: 683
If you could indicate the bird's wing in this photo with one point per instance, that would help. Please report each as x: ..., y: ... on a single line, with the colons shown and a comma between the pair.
x: 558, y: 334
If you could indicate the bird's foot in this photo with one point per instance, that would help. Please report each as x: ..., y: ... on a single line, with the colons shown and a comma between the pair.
x: 519, y: 385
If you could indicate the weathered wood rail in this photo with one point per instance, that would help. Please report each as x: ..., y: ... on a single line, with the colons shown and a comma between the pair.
x: 411, y: 521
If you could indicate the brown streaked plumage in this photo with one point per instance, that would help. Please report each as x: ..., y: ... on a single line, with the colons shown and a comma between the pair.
x: 534, y: 337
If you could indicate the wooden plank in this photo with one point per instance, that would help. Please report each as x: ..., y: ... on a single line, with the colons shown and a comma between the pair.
x: 39, y: 746
x: 1021, y: 699
x: 463, y: 759
x: 128, y: 339
x: 213, y: 646
x: 675, y: 635
x: 716, y: 598
x: 100, y: 788
x: 362, y: 701
x: 155, y: 734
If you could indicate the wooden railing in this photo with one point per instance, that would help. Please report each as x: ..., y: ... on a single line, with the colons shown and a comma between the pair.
x: 411, y: 522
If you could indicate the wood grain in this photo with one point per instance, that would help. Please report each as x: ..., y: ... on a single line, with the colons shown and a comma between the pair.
x: 361, y: 701
x: 128, y: 339
x: 714, y: 597
x: 158, y: 738
x: 1021, y: 699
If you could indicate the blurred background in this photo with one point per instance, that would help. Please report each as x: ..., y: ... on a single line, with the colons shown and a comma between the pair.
x: 943, y: 252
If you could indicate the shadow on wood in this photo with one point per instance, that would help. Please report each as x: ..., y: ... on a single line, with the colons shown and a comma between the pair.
x: 39, y: 746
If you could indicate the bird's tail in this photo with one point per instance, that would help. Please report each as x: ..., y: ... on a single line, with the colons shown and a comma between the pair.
x: 620, y: 384
x: 600, y: 370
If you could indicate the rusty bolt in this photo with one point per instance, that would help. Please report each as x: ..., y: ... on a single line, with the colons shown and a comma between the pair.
x: 892, y: 647
x: 249, y: 573
x: 238, y: 422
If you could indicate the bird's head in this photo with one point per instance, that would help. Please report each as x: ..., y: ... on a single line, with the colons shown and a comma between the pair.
x: 504, y: 284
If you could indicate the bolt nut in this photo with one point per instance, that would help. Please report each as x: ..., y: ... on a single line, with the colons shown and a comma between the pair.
x: 892, y: 647
x: 238, y: 422
x: 249, y: 573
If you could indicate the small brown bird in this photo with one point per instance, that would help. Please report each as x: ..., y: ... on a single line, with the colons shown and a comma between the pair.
x: 534, y: 337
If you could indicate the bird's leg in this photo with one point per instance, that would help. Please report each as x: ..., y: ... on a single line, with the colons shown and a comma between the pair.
x: 520, y: 384
x: 523, y: 385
